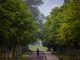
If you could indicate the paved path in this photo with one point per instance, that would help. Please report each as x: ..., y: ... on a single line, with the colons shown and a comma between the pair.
x: 50, y: 56
x: 35, y: 57
x: 45, y: 56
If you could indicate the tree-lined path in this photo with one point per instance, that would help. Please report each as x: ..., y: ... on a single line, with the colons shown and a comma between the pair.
x: 43, y: 23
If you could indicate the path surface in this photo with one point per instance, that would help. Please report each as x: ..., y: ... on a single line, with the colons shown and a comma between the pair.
x: 35, y: 57
x: 45, y: 56
x: 50, y: 56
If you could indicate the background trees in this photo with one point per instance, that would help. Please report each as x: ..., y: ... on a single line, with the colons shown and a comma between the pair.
x: 62, y: 26
x: 33, y: 6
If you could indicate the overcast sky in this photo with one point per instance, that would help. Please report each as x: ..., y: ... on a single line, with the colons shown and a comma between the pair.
x: 48, y: 5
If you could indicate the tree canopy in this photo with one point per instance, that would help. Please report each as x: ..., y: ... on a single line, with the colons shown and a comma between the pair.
x: 62, y: 27
x: 17, y: 25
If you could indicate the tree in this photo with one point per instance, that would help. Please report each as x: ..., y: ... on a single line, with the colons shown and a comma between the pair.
x: 62, y: 26
x: 17, y: 26
x: 50, y: 28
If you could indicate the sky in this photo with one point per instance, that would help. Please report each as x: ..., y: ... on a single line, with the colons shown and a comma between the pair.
x: 48, y: 5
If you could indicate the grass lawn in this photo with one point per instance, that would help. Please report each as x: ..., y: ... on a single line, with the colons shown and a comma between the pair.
x: 24, y: 56
x: 34, y: 48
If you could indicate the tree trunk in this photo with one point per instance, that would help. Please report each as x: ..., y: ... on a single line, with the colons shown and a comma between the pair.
x: 1, y: 54
x: 13, y: 53
x: 27, y: 48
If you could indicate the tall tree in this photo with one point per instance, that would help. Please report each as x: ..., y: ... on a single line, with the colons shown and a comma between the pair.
x: 17, y: 26
x: 67, y: 32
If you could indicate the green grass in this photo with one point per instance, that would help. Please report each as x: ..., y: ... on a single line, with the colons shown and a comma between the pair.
x: 24, y: 56
x: 34, y: 48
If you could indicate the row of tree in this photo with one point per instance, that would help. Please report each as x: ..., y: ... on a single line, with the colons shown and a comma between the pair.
x: 62, y: 26
x: 17, y: 26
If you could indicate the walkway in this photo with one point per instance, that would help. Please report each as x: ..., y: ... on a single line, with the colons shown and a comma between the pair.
x: 42, y: 56
x: 45, y: 56
x: 35, y: 57
x: 50, y: 56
